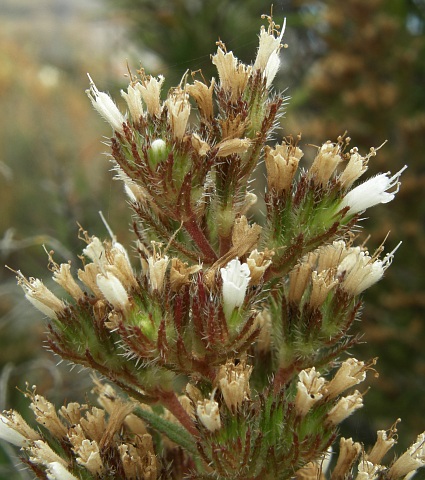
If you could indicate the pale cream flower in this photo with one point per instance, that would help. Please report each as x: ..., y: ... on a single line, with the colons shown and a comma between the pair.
x: 321, y: 284
x: 157, y: 268
x: 368, y: 470
x: 282, y: 164
x: 41, y: 297
x: 325, y: 163
x: 345, y: 407
x: 41, y: 453
x: 203, y: 96
x: 410, y: 461
x: 178, y: 112
x: 133, y: 97
x: 89, y: 456
x: 356, y: 166
x: 233, y: 74
x: 309, y: 390
x: 233, y: 381
x: 150, y: 89
x: 350, y: 373
x: 267, y: 59
x: 106, y: 107
x: 358, y: 271
x: 15, y: 430
x: 208, y: 413
x: 348, y: 453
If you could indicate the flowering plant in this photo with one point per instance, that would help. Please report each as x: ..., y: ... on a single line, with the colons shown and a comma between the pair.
x: 222, y: 354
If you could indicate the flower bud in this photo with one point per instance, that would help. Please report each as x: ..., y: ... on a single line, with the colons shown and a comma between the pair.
x: 158, y: 152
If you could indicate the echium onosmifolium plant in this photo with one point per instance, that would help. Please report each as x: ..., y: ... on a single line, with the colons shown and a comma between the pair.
x: 222, y: 353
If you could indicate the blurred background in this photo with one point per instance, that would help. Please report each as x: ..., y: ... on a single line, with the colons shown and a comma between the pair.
x: 355, y: 66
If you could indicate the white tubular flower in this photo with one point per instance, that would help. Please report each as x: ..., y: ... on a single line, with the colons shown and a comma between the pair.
x: 133, y: 97
x: 372, y: 192
x: 208, y: 413
x: 106, y: 107
x: 56, y: 471
x: 236, y: 277
x: 267, y: 60
x: 410, y: 461
x: 113, y: 291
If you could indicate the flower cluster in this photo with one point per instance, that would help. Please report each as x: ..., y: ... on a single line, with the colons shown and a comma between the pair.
x: 215, y: 341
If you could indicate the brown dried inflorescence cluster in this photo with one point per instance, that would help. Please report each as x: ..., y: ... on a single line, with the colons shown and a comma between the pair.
x: 216, y: 340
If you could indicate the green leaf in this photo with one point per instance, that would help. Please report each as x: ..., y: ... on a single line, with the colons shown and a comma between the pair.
x: 174, y: 432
